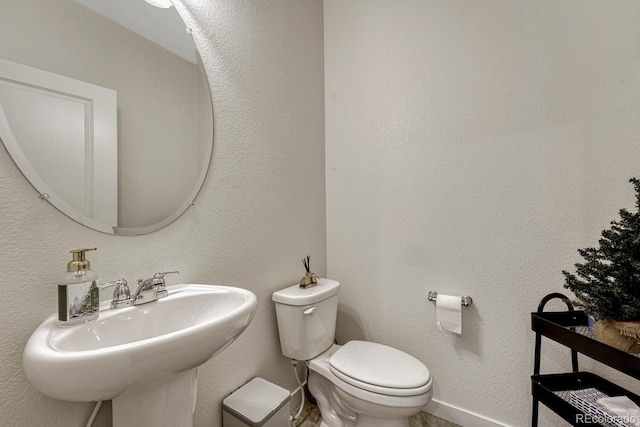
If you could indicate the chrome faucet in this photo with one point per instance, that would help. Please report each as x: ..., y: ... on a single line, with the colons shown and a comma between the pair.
x: 121, y: 293
x: 152, y: 289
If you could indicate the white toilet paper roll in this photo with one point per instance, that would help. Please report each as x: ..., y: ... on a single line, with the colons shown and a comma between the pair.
x: 449, y: 313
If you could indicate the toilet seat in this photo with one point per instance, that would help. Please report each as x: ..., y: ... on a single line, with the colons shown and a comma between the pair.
x: 380, y: 369
x: 320, y: 366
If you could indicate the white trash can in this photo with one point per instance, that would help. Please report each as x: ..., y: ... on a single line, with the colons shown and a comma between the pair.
x: 258, y: 403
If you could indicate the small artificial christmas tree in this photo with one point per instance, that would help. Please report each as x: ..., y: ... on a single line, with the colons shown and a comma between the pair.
x: 607, y: 284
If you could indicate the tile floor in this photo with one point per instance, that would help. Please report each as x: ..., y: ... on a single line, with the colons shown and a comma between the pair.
x: 311, y: 418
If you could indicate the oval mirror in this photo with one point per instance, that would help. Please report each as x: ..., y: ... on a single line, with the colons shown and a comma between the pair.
x: 106, y: 109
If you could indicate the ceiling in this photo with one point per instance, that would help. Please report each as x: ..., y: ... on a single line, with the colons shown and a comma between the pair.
x: 163, y: 27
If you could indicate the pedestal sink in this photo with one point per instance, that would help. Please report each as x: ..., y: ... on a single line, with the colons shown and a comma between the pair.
x: 145, y: 357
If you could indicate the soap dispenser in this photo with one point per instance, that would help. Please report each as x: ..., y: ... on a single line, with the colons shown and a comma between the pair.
x: 78, y: 293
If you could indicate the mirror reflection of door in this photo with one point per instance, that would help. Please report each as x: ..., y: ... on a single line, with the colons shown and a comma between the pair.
x: 164, y: 121
x: 63, y: 134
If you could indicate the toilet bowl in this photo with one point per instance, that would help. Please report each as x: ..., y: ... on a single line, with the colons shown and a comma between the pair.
x: 345, y: 401
x: 358, y: 384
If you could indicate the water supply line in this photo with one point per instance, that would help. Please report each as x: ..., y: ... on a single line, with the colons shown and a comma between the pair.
x: 94, y: 414
x: 302, y: 396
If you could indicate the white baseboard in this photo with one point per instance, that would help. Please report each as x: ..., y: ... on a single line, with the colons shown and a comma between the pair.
x: 460, y: 416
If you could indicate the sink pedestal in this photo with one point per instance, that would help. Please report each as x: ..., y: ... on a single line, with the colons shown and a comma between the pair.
x: 165, y: 405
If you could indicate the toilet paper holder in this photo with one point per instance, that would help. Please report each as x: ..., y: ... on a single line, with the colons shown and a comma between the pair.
x: 466, y: 299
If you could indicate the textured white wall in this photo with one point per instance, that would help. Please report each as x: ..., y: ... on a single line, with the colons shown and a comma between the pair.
x: 471, y: 148
x: 261, y: 210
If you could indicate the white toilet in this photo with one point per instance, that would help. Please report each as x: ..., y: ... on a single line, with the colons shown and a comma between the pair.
x: 360, y: 383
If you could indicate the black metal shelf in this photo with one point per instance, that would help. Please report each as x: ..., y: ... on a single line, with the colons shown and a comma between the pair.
x: 569, y: 328
x: 554, y: 391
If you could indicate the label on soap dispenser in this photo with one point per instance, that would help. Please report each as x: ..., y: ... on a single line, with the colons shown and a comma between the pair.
x: 78, y: 302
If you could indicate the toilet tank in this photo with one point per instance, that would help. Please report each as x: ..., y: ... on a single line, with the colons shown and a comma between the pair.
x: 307, y: 318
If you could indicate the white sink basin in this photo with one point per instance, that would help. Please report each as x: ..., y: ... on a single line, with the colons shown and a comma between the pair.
x: 136, y: 347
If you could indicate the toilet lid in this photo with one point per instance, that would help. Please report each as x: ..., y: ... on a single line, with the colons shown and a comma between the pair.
x: 368, y: 363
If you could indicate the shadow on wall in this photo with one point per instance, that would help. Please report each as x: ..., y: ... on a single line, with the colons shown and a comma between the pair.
x: 349, y: 325
x: 469, y: 343
x: 470, y: 340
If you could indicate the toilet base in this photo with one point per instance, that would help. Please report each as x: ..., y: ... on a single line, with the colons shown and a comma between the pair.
x: 339, y: 409
x: 364, y: 421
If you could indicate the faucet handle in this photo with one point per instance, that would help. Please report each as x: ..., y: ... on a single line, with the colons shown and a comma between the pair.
x: 161, y: 291
x: 156, y: 280
x: 168, y: 273
x: 121, y: 293
x: 155, y: 284
x: 117, y: 283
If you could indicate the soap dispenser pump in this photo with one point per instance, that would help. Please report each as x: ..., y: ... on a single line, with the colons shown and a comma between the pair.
x: 78, y: 293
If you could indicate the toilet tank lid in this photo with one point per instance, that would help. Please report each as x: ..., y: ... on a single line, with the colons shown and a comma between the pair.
x: 295, y: 295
